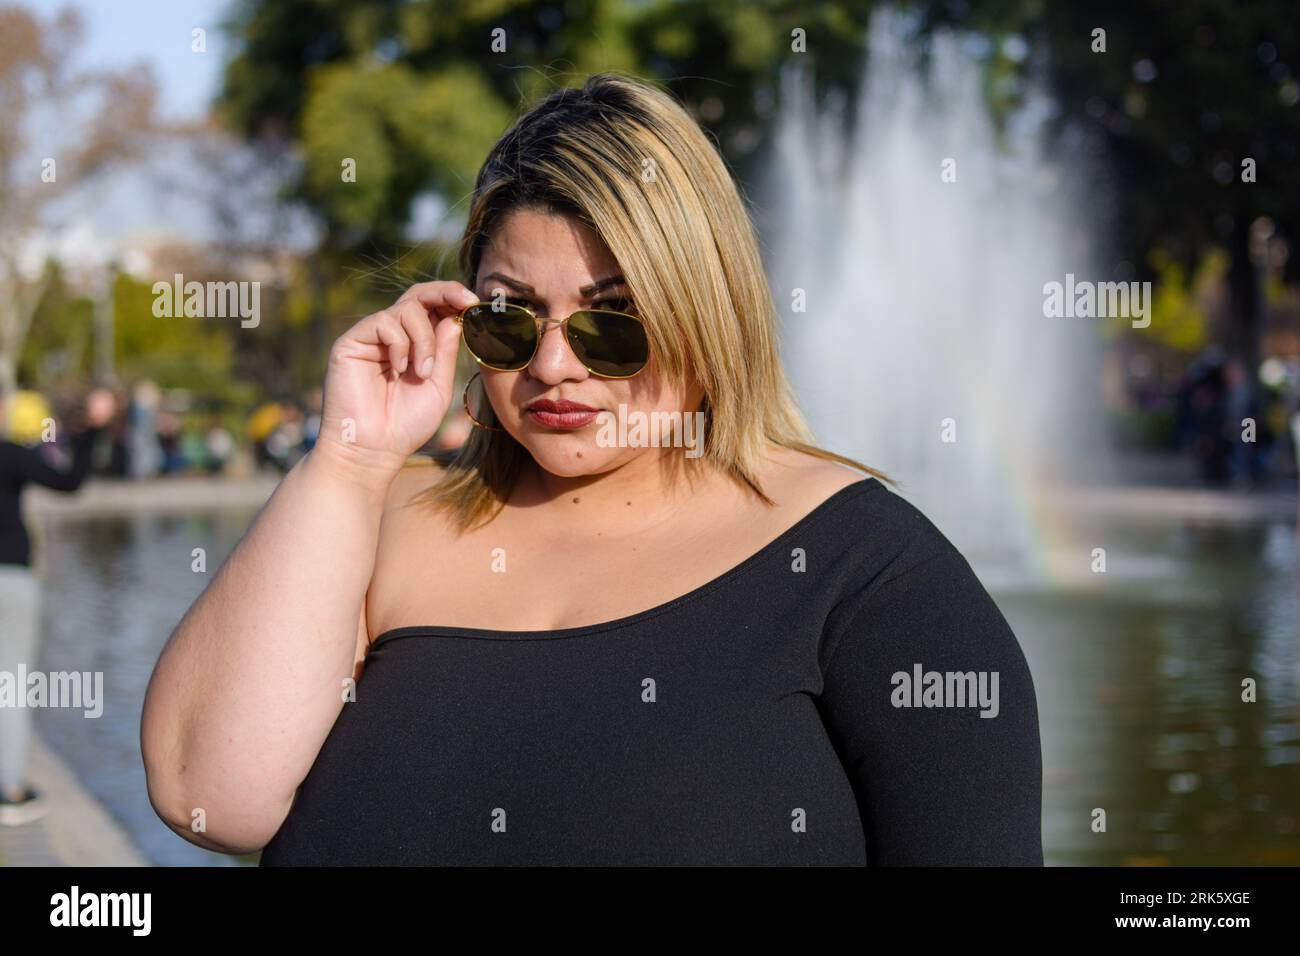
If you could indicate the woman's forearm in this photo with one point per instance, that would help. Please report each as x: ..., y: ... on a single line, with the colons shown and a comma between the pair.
x: 252, y: 679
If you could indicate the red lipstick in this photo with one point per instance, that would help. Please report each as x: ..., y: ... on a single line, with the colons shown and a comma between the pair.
x: 562, y: 414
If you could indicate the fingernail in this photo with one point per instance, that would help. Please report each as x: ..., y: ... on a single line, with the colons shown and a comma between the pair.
x: 401, y: 365
x: 426, y: 367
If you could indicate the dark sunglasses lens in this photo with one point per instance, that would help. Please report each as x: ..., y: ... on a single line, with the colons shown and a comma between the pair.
x: 503, y: 340
x: 609, y: 343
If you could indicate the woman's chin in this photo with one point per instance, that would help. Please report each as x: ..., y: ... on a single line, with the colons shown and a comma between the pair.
x: 571, y: 455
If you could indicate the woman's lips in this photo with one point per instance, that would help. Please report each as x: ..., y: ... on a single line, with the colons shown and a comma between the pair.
x: 563, y: 414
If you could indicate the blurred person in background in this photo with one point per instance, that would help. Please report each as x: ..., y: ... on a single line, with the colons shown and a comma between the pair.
x: 143, y: 455
x: 171, y: 442
x: 1243, y: 403
x: 21, y: 464
x: 260, y: 427
x: 1202, y: 413
x: 281, y: 434
x: 220, y: 447
x: 116, y: 438
x: 285, y: 445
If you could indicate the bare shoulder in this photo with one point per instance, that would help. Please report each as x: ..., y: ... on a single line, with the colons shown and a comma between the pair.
x: 803, y: 481
x: 410, y: 530
x: 409, y: 518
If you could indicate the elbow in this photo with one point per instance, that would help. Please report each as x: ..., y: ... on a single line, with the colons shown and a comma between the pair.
x: 166, y: 796
x: 197, y: 804
x: 220, y: 825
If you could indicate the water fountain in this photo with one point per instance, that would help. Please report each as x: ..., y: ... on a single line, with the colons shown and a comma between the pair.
x: 922, y: 242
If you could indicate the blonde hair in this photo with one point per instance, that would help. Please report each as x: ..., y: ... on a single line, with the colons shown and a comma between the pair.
x: 627, y: 160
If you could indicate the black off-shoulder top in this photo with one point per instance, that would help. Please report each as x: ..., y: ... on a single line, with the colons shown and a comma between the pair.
x: 850, y: 694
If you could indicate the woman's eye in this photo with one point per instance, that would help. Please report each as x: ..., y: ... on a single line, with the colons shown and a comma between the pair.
x: 614, y: 305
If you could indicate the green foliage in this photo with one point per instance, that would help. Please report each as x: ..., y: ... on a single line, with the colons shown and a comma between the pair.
x: 1183, y: 94
x: 405, y: 131
x: 1178, y: 318
x: 176, y: 352
x: 416, y: 92
x: 58, y: 354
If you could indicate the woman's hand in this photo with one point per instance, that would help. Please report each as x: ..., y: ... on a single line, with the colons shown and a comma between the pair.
x: 390, y: 378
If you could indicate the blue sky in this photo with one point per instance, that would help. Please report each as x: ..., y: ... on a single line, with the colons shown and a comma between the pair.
x: 121, y: 32
x: 130, y: 204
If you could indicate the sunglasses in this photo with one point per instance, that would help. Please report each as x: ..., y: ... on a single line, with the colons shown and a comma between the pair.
x: 506, y: 337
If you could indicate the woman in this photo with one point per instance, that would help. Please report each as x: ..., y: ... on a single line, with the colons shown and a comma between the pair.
x: 581, y: 645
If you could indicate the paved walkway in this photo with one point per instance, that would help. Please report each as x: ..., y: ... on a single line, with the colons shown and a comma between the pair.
x: 189, y: 494
x: 1199, y: 504
x: 78, y: 830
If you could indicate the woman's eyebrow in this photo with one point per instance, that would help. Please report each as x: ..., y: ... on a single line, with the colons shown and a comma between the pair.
x: 587, y: 291
x: 513, y: 283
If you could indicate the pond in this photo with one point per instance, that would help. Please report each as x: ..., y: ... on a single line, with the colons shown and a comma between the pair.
x: 1139, y: 683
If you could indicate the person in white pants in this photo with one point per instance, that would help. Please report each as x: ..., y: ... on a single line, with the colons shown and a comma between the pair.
x: 20, y: 598
x: 19, y: 626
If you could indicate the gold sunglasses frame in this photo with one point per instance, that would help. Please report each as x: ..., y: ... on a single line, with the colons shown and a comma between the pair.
x: 564, y: 325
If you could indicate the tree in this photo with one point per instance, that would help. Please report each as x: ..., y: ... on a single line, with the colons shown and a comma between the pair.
x: 1199, y: 111
x: 1196, y: 110
x: 414, y: 94
x: 59, y: 128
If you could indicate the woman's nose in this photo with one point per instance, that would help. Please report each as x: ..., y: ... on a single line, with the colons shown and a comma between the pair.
x: 554, y: 360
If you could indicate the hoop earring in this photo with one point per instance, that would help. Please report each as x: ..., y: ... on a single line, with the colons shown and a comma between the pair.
x: 465, y: 398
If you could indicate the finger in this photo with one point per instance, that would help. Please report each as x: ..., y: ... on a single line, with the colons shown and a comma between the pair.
x: 389, y: 331
x: 365, y: 351
x: 419, y: 329
x: 447, y: 337
x: 444, y: 297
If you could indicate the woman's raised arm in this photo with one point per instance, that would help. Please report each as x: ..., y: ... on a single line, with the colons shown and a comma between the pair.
x: 252, y: 679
